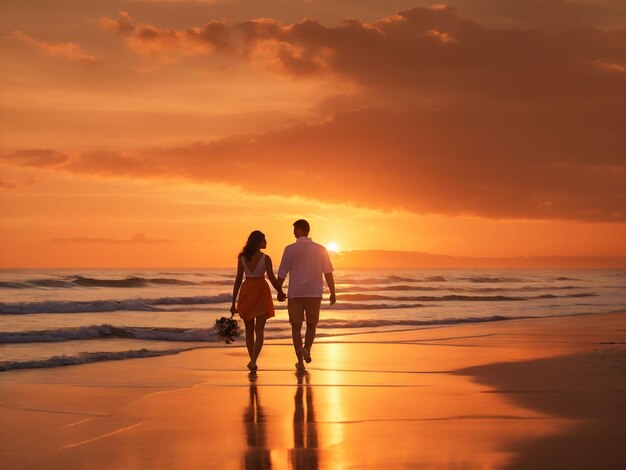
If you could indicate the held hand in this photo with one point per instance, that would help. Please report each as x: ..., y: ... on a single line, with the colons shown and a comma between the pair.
x: 281, y: 296
x: 333, y: 298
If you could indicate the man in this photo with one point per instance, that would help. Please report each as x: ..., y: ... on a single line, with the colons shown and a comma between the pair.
x: 305, y: 261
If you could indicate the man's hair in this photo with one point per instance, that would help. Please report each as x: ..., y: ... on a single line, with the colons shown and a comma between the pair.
x: 303, y: 226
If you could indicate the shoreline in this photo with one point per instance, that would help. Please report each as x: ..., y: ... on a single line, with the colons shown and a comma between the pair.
x: 143, y: 353
x: 502, y: 394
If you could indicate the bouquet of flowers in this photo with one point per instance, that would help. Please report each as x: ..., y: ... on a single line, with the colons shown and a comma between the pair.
x: 227, y: 329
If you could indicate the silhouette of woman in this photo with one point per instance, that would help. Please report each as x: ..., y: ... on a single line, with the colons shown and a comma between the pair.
x: 255, y: 303
x: 257, y: 454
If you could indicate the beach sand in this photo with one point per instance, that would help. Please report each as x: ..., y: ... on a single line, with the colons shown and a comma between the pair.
x: 541, y: 393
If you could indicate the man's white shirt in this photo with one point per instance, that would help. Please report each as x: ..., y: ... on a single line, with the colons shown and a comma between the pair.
x: 305, y: 261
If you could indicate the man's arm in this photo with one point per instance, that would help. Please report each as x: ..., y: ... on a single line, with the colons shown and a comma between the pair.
x: 281, y: 296
x: 330, y: 280
x: 327, y: 267
x: 285, y: 264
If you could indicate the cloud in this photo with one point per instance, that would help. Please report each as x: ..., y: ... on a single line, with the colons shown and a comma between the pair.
x: 7, y: 184
x: 450, y: 117
x: 160, y: 43
x: 138, y: 238
x: 429, y: 50
x: 15, y: 183
x: 544, y: 14
x: 550, y: 15
x: 39, y: 158
x: 611, y: 66
x: 431, y: 161
x: 178, y: 1
x: 68, y: 50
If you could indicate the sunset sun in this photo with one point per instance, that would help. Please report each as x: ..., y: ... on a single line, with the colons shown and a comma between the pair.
x: 332, y: 247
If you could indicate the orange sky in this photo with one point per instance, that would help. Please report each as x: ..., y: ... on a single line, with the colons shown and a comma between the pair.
x: 160, y: 133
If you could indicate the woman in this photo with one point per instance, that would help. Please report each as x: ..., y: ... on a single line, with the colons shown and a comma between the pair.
x: 255, y: 303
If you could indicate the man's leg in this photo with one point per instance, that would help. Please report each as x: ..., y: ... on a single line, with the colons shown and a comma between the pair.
x: 296, y: 336
x: 312, y: 306
x: 309, y: 336
x: 295, y: 307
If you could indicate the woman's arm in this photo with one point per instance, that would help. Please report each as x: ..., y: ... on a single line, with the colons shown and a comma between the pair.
x: 270, y: 275
x: 237, y: 285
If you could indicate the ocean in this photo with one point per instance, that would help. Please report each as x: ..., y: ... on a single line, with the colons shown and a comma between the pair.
x: 56, y: 317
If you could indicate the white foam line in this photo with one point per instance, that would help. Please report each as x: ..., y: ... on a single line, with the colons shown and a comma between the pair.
x: 332, y: 370
x: 76, y: 423
x: 162, y: 392
x: 442, y: 418
x: 39, y: 410
x: 236, y: 385
x: 112, y: 433
x: 451, y: 337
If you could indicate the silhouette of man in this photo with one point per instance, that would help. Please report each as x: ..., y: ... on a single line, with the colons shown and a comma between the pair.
x: 305, y: 262
x: 257, y: 455
x: 304, y: 455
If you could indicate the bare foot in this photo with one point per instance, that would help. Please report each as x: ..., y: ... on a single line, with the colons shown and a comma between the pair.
x: 306, y: 354
x: 252, y: 367
x: 300, y: 367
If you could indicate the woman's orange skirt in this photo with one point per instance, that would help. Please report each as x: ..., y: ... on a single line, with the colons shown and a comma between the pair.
x: 255, y: 299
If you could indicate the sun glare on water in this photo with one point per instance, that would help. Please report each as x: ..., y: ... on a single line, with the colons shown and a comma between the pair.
x: 333, y: 247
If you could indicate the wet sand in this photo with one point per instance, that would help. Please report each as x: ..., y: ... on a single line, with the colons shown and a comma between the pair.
x: 544, y: 393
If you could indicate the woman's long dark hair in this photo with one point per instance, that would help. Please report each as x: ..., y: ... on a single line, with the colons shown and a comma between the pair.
x: 252, y: 245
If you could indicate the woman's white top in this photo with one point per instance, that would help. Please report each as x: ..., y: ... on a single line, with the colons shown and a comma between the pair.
x: 259, y: 270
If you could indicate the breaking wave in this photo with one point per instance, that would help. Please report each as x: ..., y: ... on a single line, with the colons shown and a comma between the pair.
x: 418, y: 288
x: 109, y: 331
x: 127, y: 282
x: 337, y: 323
x: 87, y: 357
x: 149, y: 305
x: 456, y: 298
x: 388, y: 280
x: 208, y: 334
x: 488, y: 279
x: 279, y: 329
x: 157, y: 304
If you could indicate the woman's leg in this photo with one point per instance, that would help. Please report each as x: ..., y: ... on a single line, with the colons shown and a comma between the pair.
x: 250, y: 337
x: 259, y: 330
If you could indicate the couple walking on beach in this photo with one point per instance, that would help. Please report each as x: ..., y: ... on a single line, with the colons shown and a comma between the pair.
x: 304, y: 262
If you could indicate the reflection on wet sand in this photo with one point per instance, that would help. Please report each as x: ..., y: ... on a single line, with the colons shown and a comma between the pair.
x: 257, y: 454
x: 304, y: 455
